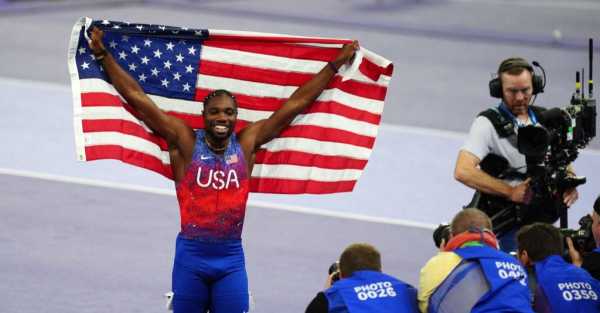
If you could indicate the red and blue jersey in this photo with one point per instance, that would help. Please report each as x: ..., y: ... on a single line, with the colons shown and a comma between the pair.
x: 213, y: 193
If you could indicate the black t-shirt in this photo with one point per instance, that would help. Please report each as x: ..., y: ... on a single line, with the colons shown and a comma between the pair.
x: 319, y: 304
x: 591, y: 263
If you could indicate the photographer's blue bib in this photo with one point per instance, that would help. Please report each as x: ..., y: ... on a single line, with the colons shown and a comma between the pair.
x: 371, y: 291
x: 503, y: 287
x: 567, y: 288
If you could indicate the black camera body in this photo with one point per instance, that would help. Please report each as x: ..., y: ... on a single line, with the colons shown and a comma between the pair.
x: 583, y: 238
x: 334, y: 271
x: 549, y: 149
x: 442, y: 232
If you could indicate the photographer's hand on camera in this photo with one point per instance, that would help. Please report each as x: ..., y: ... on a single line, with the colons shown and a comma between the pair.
x: 521, y: 193
x: 576, y: 258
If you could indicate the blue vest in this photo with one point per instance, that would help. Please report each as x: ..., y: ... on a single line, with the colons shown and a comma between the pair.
x: 567, y: 288
x: 371, y: 291
x: 487, y: 280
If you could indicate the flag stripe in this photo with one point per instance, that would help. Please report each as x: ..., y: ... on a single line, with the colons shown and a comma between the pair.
x: 133, y: 127
x: 317, y: 147
x: 123, y: 126
x: 95, y: 93
x: 328, y: 106
x: 283, y: 92
x: 276, y: 77
x: 276, y: 49
x: 266, y: 37
x: 294, y: 186
x: 306, y: 159
x: 353, y: 128
x: 304, y: 145
x: 368, y: 74
x: 286, y: 171
x: 133, y: 157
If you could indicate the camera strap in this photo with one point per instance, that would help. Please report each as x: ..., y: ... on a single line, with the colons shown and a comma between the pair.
x: 504, y: 121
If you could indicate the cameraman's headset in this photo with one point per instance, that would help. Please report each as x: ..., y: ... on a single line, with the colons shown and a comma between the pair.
x: 537, y: 82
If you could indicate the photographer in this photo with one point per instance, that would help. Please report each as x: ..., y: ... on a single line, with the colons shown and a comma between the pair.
x: 362, y: 287
x: 591, y: 261
x: 470, y: 274
x: 561, y: 287
x: 491, y: 149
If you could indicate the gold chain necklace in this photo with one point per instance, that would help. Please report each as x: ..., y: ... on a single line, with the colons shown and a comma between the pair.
x: 211, y: 147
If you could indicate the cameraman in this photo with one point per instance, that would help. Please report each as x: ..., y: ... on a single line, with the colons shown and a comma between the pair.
x: 590, y: 262
x: 561, y: 287
x: 493, y: 136
x: 469, y: 274
x: 362, y: 286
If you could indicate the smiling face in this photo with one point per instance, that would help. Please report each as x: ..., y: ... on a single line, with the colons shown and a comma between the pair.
x: 220, y: 116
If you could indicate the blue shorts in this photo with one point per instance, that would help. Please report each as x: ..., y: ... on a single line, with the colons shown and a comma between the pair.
x: 209, y: 276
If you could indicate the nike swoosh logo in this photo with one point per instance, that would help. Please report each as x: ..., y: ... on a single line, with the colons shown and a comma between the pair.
x: 203, y: 157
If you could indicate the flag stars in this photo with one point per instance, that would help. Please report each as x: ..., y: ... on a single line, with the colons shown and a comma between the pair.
x: 132, y: 67
x: 170, y: 46
x: 162, y: 27
x: 135, y: 49
x: 192, y: 50
x: 164, y: 82
x: 122, y: 55
x: 82, y: 50
x: 186, y: 87
x: 125, y: 38
x: 155, y: 71
x: 112, y: 44
x: 189, y: 69
x: 179, y: 58
x: 167, y: 64
x: 147, y: 42
x: 139, y: 27
x: 105, y: 22
x: 142, y: 77
x: 85, y: 65
x: 145, y: 60
x: 177, y: 76
x: 92, y: 57
x: 157, y: 53
x: 116, y: 27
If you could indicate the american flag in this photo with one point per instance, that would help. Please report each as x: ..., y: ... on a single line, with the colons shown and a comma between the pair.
x: 324, y: 150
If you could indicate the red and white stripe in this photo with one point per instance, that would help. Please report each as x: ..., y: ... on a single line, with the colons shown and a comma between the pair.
x: 325, y: 148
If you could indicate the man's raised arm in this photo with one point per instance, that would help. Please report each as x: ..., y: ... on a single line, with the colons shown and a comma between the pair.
x: 166, y: 126
x: 263, y: 131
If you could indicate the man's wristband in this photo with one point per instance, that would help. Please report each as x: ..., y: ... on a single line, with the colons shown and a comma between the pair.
x: 332, y: 66
x: 100, y: 55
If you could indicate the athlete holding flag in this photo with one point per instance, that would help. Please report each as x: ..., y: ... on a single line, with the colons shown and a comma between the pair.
x: 211, y: 169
